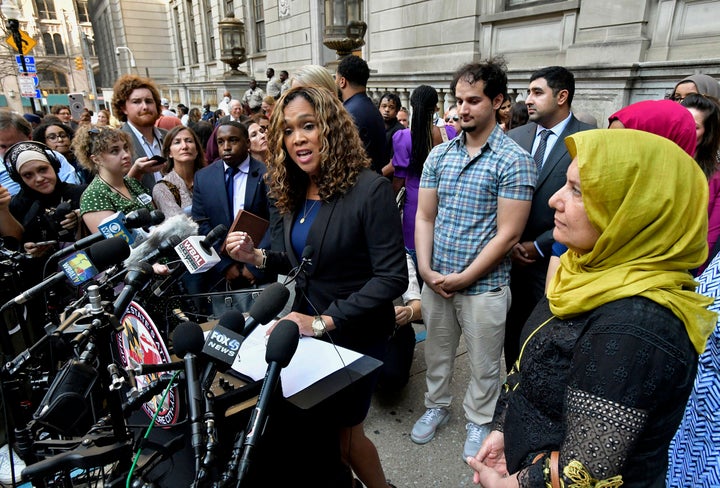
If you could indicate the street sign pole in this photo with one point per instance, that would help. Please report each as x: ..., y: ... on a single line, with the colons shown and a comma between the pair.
x: 14, y: 26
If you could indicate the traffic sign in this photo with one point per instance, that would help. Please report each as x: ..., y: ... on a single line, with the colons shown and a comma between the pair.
x: 27, y: 42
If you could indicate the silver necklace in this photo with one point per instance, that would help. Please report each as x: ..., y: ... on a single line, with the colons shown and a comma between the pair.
x: 306, y: 212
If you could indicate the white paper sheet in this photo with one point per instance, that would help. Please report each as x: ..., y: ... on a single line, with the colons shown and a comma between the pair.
x: 313, y: 361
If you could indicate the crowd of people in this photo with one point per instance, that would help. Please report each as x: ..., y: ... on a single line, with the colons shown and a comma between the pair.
x: 563, y: 254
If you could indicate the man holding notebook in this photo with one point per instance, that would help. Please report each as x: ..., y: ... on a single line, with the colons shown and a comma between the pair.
x: 221, y: 191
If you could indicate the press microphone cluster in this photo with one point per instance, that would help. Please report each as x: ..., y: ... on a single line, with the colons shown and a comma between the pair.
x: 100, y: 255
x: 135, y: 219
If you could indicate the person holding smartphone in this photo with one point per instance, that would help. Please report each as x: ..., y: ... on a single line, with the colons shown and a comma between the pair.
x: 107, y: 153
x: 46, y: 207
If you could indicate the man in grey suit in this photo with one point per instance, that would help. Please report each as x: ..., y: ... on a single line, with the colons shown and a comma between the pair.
x: 550, y: 95
x: 136, y: 102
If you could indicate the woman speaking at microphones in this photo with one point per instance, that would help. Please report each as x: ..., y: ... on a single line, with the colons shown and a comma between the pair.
x: 330, y: 199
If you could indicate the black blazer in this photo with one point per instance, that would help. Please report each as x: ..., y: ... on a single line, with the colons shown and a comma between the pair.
x: 358, y: 263
x: 552, y: 177
x: 148, y: 180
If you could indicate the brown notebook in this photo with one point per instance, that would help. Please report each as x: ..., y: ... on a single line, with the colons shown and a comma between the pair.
x: 252, y: 224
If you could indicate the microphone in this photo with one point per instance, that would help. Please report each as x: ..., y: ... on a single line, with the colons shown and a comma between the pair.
x: 305, y: 260
x: 281, y: 347
x: 197, y: 253
x: 156, y: 217
x: 134, y: 219
x: 180, y: 226
x: 141, y: 369
x: 138, y: 275
x: 102, y: 254
x: 266, y: 307
x: 188, y: 342
x: 222, y: 345
x: 116, y: 225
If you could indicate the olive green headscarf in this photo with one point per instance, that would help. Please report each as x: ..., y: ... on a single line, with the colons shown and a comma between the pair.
x: 648, y: 198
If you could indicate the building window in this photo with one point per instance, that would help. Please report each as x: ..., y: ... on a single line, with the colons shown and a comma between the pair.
x: 209, y: 31
x: 178, y: 37
x: 259, y: 18
x: 46, y: 9
x: 81, y: 7
x: 191, y: 35
x: 52, y: 82
x: 511, y: 4
x: 229, y: 7
x: 53, y: 44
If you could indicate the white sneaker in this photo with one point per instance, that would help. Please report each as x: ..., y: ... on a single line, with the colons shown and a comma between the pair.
x: 5, y: 473
x: 476, y: 434
x: 424, y: 429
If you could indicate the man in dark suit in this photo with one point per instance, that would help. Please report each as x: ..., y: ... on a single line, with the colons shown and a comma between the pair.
x: 215, y: 203
x: 549, y: 98
x: 136, y: 102
x: 351, y: 78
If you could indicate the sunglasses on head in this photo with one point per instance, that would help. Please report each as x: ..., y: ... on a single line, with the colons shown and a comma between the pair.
x: 454, y: 118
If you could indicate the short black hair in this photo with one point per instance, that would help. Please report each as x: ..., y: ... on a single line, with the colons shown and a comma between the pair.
x: 354, y: 69
x: 491, y: 71
x: 283, y: 72
x: 239, y: 125
x: 393, y: 97
x: 558, y: 78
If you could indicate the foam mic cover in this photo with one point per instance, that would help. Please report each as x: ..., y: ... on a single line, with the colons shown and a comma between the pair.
x: 282, y: 343
x: 156, y: 217
x: 187, y: 338
x: 233, y: 320
x: 215, y: 235
x: 108, y: 252
x: 137, y: 218
x: 269, y: 303
x: 178, y: 225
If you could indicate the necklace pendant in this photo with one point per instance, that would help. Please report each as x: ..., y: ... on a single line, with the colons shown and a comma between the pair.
x: 302, y: 220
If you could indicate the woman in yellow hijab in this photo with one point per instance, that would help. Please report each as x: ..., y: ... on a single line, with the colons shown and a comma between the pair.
x: 608, y: 359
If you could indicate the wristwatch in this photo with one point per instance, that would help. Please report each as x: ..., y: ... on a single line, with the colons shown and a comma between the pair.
x: 318, y: 326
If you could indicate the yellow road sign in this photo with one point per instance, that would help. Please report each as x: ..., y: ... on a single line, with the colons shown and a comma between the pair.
x: 27, y: 42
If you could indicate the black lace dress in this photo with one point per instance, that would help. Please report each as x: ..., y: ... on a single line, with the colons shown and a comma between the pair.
x: 607, y: 389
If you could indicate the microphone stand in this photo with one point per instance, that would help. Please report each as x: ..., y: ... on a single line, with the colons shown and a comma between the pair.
x: 211, y: 436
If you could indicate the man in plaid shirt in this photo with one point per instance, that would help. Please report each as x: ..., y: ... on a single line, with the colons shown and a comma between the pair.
x: 474, y: 200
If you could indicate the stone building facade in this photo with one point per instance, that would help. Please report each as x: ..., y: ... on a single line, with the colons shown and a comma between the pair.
x: 621, y: 51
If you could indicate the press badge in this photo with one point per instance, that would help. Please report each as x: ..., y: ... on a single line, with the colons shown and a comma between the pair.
x: 144, y: 198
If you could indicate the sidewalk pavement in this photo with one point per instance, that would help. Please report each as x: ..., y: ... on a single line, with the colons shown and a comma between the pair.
x: 438, y: 463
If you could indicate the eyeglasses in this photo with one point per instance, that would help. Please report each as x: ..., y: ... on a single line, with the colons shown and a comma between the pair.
x: 54, y: 137
x: 454, y: 118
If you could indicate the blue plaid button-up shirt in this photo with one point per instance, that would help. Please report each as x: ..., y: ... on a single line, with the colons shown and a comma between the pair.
x: 468, y: 189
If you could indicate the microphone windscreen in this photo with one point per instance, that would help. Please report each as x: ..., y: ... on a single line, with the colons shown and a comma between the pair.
x: 233, y: 320
x: 270, y: 303
x: 307, y: 252
x: 137, y: 218
x: 282, y: 343
x: 180, y: 225
x: 187, y: 337
x: 156, y: 217
x: 108, y: 252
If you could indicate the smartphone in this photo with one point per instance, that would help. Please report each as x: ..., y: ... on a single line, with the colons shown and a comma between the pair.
x: 158, y: 160
x: 77, y: 105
